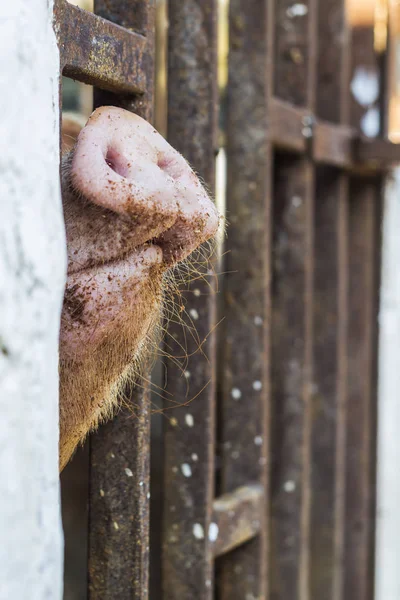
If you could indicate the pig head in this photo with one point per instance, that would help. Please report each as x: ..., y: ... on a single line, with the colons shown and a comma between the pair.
x: 133, y: 209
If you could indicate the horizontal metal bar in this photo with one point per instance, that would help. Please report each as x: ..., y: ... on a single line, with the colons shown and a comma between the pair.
x: 98, y: 52
x: 333, y: 144
x: 377, y: 153
x: 296, y: 130
x: 287, y: 123
x: 237, y: 517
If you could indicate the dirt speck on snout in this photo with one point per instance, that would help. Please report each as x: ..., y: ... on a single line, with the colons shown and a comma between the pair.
x: 74, y: 302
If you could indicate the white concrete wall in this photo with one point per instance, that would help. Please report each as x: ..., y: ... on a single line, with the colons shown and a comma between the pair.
x: 388, y: 509
x: 32, y: 267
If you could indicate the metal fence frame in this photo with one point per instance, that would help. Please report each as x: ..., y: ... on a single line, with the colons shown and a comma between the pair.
x: 287, y: 510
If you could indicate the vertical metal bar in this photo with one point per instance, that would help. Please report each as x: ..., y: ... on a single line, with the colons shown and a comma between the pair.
x: 244, y: 408
x: 364, y: 112
x: 341, y: 384
x: 120, y: 451
x: 187, y: 564
x: 359, y: 532
x: 363, y: 249
x: 330, y: 319
x: 292, y: 317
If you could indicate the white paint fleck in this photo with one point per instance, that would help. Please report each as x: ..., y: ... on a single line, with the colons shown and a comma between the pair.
x: 236, y: 393
x: 370, y: 122
x: 258, y: 440
x: 186, y: 470
x: 198, y: 531
x: 148, y: 496
x: 194, y: 314
x: 186, y: 374
x: 102, y: 493
x: 296, y: 201
x: 213, y: 531
x: 257, y: 386
x: 173, y: 422
x: 208, y: 583
x: 365, y: 86
x: 195, y: 458
x: 258, y: 321
x: 197, y: 292
x: 189, y: 420
x: 128, y: 472
x: 116, y: 526
x: 297, y: 10
x: 141, y: 483
x: 289, y: 486
x: 112, y: 455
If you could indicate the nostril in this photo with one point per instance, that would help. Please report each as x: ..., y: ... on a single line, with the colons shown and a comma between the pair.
x: 169, y: 165
x: 116, y: 162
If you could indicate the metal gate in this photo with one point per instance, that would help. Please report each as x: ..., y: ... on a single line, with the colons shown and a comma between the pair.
x: 268, y: 484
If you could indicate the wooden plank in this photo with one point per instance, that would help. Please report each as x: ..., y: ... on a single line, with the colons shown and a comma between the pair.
x: 120, y: 451
x: 244, y: 375
x: 237, y: 517
x: 101, y: 53
x: 187, y: 560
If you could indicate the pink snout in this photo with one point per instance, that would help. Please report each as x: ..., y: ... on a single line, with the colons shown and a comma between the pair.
x: 121, y: 163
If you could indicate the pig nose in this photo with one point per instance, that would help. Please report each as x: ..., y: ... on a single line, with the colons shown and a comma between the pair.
x: 115, y: 167
x: 123, y: 164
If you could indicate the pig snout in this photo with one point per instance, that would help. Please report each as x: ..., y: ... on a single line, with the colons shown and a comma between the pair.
x: 140, y: 184
x: 133, y: 208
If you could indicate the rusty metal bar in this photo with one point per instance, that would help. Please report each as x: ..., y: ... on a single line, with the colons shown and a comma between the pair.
x: 287, y: 126
x: 238, y: 517
x: 330, y: 305
x: 333, y: 145
x: 244, y: 374
x: 361, y: 428
x: 292, y: 326
x: 292, y: 192
x: 364, y: 219
x: 187, y: 555
x: 120, y: 451
x: 377, y: 154
x: 100, y: 53
x: 295, y: 129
